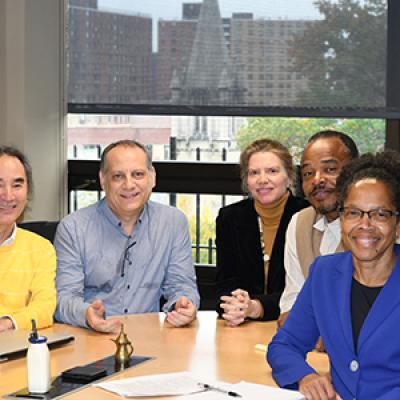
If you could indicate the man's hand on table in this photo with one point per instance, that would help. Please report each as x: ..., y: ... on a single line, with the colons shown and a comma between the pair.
x: 95, y: 318
x: 183, y: 313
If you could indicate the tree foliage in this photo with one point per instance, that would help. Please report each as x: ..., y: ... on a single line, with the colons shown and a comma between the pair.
x: 369, y: 134
x: 344, y: 54
x: 209, y: 208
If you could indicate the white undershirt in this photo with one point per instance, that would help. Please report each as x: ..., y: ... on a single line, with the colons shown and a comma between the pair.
x: 294, y: 274
x: 10, y: 240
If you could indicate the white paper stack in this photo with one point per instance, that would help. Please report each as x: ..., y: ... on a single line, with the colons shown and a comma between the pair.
x: 191, y: 387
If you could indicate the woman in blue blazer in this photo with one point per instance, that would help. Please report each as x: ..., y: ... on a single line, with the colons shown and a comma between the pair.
x: 351, y: 300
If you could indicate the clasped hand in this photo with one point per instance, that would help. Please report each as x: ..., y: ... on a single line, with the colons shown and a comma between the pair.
x: 238, y: 307
x: 183, y: 313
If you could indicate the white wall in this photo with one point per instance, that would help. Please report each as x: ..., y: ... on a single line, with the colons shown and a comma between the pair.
x: 32, y: 108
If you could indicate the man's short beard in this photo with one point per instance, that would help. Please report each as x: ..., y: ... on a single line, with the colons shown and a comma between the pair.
x: 324, y: 210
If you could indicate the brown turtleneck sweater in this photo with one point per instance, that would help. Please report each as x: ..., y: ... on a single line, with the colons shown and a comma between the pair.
x: 270, y: 217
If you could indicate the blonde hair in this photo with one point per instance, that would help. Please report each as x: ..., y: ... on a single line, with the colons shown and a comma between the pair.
x: 262, y: 146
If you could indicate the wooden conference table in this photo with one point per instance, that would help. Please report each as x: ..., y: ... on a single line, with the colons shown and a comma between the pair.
x: 206, y: 347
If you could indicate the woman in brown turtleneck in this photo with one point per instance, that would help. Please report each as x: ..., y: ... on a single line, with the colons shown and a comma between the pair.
x: 251, y: 235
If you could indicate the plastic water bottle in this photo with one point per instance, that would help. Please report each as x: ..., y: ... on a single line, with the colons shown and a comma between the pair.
x: 38, y: 363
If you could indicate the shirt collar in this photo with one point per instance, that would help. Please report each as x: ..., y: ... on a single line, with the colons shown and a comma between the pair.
x: 322, y: 224
x: 11, y: 239
x: 112, y: 218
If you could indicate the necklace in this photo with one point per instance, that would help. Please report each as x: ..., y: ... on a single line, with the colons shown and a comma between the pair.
x: 260, y: 227
x: 265, y: 255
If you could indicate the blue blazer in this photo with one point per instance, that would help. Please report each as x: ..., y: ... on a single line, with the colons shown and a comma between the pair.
x: 323, y: 309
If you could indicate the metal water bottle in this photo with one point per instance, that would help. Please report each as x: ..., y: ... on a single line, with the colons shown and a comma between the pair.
x: 38, y: 363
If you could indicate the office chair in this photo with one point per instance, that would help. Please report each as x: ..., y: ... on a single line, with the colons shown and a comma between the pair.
x: 47, y: 229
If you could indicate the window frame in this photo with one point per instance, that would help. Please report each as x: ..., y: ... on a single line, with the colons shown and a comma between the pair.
x: 223, y: 178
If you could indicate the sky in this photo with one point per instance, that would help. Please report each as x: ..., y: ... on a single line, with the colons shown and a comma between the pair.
x: 172, y: 9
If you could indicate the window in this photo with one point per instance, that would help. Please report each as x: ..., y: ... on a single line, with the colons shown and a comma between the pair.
x: 150, y: 62
x: 184, y: 59
x: 181, y: 141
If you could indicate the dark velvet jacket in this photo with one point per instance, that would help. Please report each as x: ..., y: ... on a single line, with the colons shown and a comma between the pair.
x: 239, y: 254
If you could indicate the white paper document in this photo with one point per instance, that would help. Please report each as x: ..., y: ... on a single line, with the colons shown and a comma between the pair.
x: 191, y: 387
x: 174, y: 384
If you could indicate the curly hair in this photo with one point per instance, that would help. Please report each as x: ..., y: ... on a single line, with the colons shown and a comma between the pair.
x: 262, y: 146
x: 383, y: 166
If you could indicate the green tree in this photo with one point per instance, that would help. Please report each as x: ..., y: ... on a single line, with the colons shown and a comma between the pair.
x: 369, y: 134
x: 344, y: 54
x: 207, y: 224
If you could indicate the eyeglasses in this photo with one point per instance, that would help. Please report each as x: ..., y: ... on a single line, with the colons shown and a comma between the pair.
x: 126, y: 257
x: 377, y: 215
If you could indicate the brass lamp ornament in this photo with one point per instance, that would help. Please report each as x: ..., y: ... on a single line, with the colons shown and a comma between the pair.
x: 124, y: 349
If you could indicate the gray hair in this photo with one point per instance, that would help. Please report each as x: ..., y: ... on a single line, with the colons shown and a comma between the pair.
x: 126, y: 143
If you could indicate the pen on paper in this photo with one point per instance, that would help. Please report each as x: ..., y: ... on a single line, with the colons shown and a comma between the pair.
x: 206, y: 386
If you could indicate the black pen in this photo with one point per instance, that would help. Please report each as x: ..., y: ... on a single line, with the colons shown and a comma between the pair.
x: 34, y: 334
x: 206, y: 386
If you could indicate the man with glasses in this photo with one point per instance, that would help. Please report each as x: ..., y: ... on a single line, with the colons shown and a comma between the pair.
x: 315, y: 230
x: 122, y: 254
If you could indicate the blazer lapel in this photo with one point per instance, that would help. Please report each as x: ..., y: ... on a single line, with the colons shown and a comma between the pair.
x: 387, y: 300
x: 343, y: 288
x: 246, y: 226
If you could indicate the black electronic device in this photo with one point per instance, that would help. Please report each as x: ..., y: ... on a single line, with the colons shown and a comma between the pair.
x: 85, y: 374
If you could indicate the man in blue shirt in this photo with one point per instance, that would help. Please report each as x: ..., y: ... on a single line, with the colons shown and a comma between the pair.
x: 120, y: 255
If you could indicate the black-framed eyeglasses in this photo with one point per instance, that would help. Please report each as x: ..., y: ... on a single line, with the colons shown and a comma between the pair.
x: 378, y: 215
x: 126, y: 257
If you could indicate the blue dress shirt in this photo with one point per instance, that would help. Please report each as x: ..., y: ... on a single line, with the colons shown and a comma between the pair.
x: 96, y: 259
